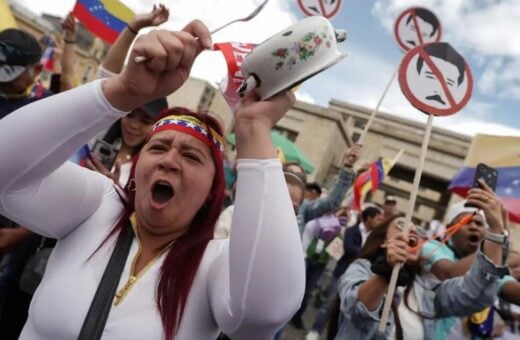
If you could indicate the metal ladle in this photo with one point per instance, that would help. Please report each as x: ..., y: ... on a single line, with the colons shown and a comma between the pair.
x: 140, y: 58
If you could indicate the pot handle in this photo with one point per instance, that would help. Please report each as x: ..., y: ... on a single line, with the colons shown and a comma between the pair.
x: 341, y: 35
x: 249, y: 84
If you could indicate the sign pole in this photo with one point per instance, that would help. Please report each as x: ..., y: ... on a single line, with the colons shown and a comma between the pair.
x: 408, y: 219
x: 361, y: 139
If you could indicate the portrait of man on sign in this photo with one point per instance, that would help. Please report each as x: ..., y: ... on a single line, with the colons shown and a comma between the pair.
x: 451, y: 65
x: 428, y: 25
x: 416, y: 26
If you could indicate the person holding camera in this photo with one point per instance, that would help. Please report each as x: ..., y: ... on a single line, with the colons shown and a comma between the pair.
x: 143, y: 264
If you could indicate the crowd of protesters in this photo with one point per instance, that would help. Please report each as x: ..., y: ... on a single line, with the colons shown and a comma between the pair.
x: 245, y: 266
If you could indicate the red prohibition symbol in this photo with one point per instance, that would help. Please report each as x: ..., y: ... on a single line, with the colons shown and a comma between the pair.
x: 325, y: 8
x: 416, y: 26
x: 436, y: 79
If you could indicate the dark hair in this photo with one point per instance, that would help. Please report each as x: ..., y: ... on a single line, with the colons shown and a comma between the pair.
x: 376, y: 238
x: 183, y: 259
x: 370, y: 212
x: 444, y: 51
x: 313, y: 187
x: 427, y: 16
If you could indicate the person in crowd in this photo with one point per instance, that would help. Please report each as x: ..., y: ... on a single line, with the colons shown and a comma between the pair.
x: 310, y: 210
x: 68, y: 57
x: 390, y: 207
x: 20, y: 68
x: 296, y: 168
x: 455, y: 258
x: 317, y: 236
x: 312, y: 191
x: 178, y: 281
x: 510, y: 312
x: 353, y: 241
x: 363, y: 287
x: 128, y: 134
x: 295, y: 186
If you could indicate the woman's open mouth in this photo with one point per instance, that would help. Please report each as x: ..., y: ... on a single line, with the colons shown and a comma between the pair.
x: 162, y: 192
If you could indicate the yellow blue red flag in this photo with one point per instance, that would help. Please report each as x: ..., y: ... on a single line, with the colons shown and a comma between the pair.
x: 104, y: 18
x: 501, y: 153
x: 371, y: 180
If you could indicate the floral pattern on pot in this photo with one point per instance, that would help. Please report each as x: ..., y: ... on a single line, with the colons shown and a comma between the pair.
x: 302, y: 50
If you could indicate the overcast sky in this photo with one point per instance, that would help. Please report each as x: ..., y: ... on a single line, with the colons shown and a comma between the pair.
x: 485, y: 32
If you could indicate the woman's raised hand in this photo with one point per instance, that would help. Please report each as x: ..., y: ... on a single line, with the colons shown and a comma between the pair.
x: 397, y: 249
x: 169, y: 58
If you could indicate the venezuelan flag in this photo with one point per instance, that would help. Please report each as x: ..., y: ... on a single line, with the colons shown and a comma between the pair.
x: 371, y: 179
x: 501, y: 153
x: 104, y: 18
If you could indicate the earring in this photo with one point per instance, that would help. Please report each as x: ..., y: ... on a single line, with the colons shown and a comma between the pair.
x: 130, y: 186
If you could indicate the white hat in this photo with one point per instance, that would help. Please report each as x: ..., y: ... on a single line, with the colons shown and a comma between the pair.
x: 458, y: 208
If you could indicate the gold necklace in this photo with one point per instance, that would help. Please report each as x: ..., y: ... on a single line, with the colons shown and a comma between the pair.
x: 123, y: 292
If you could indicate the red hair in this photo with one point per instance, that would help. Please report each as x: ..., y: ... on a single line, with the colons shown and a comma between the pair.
x: 183, y: 259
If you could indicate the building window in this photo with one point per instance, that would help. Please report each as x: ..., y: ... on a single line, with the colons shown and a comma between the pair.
x: 207, y: 98
x: 359, y: 123
x: 289, y: 134
x: 355, y: 136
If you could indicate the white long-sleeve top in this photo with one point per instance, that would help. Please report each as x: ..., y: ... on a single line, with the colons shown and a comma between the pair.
x: 247, y: 286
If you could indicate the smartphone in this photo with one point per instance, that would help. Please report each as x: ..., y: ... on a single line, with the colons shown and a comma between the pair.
x: 488, y: 174
x: 106, y: 152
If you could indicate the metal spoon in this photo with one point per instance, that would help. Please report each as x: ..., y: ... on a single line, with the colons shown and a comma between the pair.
x: 140, y: 59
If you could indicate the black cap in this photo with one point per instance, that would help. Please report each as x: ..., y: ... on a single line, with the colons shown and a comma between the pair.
x: 18, y: 49
x: 154, y: 108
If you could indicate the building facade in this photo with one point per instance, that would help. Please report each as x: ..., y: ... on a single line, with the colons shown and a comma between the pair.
x: 325, y: 134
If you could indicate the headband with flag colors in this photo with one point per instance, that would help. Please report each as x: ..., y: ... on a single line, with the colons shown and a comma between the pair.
x: 192, y: 126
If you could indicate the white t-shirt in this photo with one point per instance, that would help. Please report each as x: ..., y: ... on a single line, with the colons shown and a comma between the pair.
x: 248, y: 286
x: 411, y: 322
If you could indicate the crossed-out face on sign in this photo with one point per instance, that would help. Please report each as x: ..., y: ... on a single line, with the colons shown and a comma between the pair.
x: 325, y: 8
x: 436, y: 79
x: 416, y: 26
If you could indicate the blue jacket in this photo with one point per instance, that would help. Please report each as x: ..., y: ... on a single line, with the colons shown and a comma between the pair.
x: 459, y: 296
x: 309, y: 210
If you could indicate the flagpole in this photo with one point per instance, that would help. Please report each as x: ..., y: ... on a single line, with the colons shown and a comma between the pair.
x: 361, y: 139
x: 396, y: 158
x: 408, y: 220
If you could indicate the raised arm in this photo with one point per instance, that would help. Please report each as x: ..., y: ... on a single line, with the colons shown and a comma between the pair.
x: 478, y: 288
x: 68, y: 58
x: 37, y: 139
x: 258, y: 289
x: 113, y: 61
x: 314, y: 209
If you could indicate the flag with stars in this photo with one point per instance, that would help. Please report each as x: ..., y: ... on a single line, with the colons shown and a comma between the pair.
x: 103, y: 18
x: 501, y: 153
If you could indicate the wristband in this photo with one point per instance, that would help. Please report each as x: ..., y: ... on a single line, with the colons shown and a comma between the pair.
x: 131, y: 29
x: 496, y: 238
